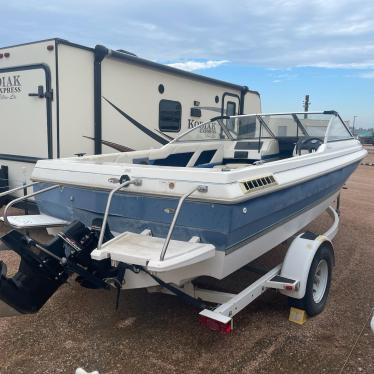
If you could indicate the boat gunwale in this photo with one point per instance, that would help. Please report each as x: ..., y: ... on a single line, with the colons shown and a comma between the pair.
x: 199, y: 198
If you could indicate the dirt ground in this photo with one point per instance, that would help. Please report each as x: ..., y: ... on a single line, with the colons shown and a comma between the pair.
x: 153, y: 333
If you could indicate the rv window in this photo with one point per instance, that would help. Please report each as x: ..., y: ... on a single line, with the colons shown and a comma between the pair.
x: 230, y: 111
x: 170, y: 116
x: 230, y: 108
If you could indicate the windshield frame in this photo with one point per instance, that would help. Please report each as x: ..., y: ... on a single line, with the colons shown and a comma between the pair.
x: 259, y: 116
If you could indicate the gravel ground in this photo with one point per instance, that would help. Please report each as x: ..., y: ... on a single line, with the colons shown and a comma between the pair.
x: 157, y: 333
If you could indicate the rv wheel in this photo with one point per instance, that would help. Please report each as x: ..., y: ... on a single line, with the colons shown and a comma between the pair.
x: 318, y: 284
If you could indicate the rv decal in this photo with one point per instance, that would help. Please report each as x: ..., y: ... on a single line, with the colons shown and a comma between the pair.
x: 208, y: 128
x: 170, y: 138
x: 9, y: 86
x: 141, y: 127
x: 116, y: 146
x: 193, y: 123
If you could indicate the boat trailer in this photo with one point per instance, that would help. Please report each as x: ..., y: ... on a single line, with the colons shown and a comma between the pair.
x: 45, y: 267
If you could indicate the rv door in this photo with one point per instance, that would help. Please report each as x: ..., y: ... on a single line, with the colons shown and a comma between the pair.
x: 25, y: 110
x: 230, y: 107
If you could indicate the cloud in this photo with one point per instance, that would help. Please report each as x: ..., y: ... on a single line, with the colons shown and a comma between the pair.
x: 197, y: 65
x: 367, y: 75
x: 348, y: 65
x: 269, y: 33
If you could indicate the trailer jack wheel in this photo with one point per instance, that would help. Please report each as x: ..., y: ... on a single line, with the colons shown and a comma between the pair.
x: 318, y: 283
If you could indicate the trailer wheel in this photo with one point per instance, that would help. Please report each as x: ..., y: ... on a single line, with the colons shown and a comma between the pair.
x: 318, y: 283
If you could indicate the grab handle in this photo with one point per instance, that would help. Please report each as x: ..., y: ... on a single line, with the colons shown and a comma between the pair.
x: 15, y: 201
x: 199, y: 188
x: 23, y: 186
x: 137, y: 182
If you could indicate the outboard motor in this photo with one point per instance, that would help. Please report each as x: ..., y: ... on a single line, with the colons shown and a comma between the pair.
x: 44, y: 268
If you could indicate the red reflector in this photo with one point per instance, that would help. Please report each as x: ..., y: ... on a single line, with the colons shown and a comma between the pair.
x: 215, y: 325
x: 1, y: 55
x: 6, y: 54
x: 50, y: 47
x: 288, y: 288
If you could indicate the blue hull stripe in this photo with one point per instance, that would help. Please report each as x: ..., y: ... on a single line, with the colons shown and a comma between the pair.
x: 222, y: 225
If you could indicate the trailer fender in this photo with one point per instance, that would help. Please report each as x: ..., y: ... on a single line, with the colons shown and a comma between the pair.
x: 298, y: 260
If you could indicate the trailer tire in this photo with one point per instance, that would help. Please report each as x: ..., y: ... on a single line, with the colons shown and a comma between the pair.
x: 318, y: 283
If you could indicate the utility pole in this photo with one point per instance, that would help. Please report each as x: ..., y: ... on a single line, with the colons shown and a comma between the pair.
x: 353, y: 126
x: 306, y: 105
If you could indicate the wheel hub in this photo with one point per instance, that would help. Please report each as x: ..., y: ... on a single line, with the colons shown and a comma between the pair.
x: 320, y: 280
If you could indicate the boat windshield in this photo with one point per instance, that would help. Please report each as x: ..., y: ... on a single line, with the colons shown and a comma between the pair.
x: 255, y: 126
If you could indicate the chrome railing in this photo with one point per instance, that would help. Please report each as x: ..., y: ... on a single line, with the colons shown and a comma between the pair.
x: 15, y: 201
x: 200, y: 188
x: 137, y: 182
x: 22, y: 187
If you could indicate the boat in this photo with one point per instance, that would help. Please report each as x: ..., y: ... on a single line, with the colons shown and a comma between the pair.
x: 206, y: 204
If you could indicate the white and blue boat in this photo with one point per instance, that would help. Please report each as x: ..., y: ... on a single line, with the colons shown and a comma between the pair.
x: 206, y: 204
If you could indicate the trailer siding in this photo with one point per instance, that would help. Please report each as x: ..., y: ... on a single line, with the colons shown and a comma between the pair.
x: 76, y: 100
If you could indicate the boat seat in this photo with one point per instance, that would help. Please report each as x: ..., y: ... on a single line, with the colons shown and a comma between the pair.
x: 248, y: 151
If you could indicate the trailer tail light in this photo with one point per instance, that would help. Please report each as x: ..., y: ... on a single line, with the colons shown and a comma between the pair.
x: 6, y: 54
x: 50, y: 47
x: 1, y: 55
x: 214, y: 325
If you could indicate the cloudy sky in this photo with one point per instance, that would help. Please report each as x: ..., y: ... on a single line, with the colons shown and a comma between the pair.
x: 282, y: 48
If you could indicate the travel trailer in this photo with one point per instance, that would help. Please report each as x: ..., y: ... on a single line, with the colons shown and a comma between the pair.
x: 59, y: 99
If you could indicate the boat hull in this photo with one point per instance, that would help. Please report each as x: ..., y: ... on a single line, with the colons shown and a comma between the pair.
x: 226, y: 226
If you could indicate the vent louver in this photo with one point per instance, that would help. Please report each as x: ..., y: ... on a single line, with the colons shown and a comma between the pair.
x: 258, y: 183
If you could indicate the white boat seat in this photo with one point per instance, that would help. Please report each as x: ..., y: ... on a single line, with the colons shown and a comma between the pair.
x: 35, y: 221
x: 144, y: 250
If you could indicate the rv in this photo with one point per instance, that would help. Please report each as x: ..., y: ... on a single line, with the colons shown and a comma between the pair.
x: 59, y: 99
